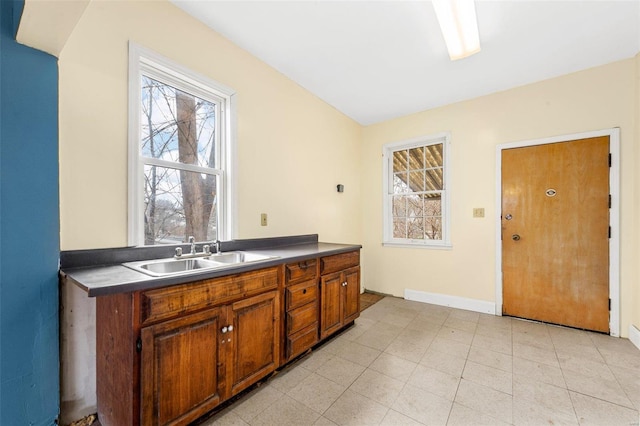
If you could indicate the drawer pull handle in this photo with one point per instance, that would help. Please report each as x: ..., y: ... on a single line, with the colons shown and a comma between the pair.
x: 303, y: 265
x: 304, y: 291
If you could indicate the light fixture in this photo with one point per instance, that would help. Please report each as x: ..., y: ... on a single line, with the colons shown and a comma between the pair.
x: 459, y: 26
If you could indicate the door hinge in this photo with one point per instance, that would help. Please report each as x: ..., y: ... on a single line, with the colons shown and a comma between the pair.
x: 139, y: 345
x: 609, y: 232
x: 609, y: 200
x: 609, y: 159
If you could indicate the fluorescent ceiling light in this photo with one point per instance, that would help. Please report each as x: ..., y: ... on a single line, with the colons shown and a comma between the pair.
x: 459, y: 26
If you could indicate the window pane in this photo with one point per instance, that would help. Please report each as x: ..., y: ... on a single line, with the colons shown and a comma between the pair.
x: 415, y: 228
x: 415, y: 206
x: 399, y: 207
x: 416, y: 181
x: 434, y: 156
x: 433, y: 228
x: 434, y: 179
x: 433, y: 205
x: 400, y: 161
x: 177, y: 126
x: 178, y: 204
x: 416, y: 158
x: 399, y: 227
x: 400, y: 183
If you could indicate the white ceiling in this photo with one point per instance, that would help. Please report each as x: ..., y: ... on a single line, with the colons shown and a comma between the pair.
x: 376, y: 60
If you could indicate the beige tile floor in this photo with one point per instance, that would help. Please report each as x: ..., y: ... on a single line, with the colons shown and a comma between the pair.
x: 409, y: 363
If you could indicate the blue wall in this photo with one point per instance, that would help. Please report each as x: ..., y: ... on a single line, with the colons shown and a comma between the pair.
x: 29, y: 229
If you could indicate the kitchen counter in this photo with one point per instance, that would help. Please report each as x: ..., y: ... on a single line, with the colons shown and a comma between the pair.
x: 100, y: 272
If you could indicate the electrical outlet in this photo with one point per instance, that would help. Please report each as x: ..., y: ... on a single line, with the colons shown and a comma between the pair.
x: 263, y: 219
x: 478, y: 212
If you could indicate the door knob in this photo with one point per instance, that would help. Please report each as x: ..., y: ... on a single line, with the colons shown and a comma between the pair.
x: 515, y: 237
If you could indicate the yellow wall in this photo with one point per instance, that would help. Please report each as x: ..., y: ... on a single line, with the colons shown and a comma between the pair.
x: 292, y: 150
x: 292, y: 147
x: 594, y: 99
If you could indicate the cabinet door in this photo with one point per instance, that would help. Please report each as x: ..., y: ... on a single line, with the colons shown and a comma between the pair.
x: 180, y: 377
x: 330, y: 303
x: 351, y: 294
x: 255, y: 340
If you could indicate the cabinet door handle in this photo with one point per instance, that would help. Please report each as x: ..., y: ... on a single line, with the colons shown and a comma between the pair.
x: 344, y: 284
x: 230, y: 328
x: 224, y: 330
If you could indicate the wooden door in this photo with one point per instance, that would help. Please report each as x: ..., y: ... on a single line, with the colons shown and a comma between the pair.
x: 351, y: 294
x: 180, y: 374
x: 555, y: 233
x: 254, y: 341
x: 330, y: 303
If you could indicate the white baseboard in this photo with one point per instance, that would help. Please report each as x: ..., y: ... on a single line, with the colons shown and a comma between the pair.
x: 451, y: 301
x: 634, y: 335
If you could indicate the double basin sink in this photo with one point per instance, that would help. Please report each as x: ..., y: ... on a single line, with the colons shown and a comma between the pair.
x: 177, y: 266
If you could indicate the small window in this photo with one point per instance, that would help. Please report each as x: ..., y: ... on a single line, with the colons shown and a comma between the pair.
x: 416, y: 210
x: 180, y: 147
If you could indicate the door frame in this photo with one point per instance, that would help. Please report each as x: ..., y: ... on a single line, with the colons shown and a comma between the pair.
x: 614, y: 215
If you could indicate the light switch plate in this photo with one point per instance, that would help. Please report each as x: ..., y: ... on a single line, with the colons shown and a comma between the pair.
x: 263, y: 219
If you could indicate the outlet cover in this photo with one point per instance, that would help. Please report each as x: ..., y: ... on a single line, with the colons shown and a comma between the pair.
x: 478, y: 212
x: 263, y: 219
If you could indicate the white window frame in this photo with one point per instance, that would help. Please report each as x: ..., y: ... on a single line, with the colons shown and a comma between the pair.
x: 151, y: 64
x: 387, y: 192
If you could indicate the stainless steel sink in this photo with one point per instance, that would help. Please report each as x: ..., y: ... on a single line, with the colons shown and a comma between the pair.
x: 234, y: 257
x: 173, y: 266
x: 163, y: 267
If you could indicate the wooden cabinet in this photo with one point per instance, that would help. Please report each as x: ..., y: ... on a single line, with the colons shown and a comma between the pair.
x: 301, y: 307
x: 167, y: 356
x: 199, y: 344
x: 254, y: 349
x: 339, y: 292
x: 182, y: 370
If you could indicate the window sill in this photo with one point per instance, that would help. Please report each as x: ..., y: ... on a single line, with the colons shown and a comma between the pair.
x: 443, y: 246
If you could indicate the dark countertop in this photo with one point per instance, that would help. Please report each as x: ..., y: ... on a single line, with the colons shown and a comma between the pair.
x: 104, y: 279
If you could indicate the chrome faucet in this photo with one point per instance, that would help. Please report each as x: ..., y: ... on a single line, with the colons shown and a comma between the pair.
x: 206, y: 249
x: 192, y: 241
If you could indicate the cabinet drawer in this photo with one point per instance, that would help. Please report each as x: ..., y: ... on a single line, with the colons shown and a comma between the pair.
x: 172, y: 301
x: 302, y: 317
x: 339, y: 262
x: 301, y: 341
x: 301, y: 294
x: 302, y: 270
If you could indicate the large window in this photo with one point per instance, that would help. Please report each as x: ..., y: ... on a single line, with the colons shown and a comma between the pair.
x: 416, y: 208
x: 180, y: 153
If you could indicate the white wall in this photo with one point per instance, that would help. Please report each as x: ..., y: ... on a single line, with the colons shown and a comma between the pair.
x: 594, y: 99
